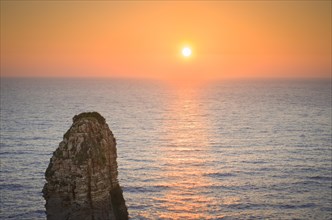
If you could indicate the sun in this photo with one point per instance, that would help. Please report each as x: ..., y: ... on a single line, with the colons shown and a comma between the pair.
x: 186, y: 51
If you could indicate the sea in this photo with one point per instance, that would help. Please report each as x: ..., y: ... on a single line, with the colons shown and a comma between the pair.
x: 226, y: 149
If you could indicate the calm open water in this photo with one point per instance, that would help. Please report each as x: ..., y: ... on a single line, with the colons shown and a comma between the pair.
x: 223, y: 150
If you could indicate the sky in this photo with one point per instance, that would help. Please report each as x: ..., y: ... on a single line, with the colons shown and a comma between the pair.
x: 144, y: 39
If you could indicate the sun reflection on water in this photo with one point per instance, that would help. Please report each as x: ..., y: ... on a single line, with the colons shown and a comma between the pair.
x: 186, y: 159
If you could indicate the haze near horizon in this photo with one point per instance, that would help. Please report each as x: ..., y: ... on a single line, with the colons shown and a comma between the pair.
x: 146, y: 39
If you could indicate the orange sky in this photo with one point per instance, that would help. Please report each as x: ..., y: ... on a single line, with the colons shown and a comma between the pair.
x: 144, y: 39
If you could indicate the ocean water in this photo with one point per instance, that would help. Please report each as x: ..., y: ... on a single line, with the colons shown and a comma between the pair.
x: 255, y: 149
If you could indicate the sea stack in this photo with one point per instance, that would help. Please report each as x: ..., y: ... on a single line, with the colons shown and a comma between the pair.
x: 82, y: 177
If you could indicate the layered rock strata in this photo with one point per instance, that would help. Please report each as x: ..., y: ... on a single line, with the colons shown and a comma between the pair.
x: 82, y: 175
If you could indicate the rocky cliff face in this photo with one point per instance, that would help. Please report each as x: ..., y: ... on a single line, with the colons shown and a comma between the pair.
x: 82, y: 175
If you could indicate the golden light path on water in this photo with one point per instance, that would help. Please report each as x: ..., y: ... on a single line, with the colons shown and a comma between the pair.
x: 186, y: 161
x: 184, y: 154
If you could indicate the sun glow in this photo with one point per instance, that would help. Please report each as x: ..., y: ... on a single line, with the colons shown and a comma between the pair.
x: 186, y: 51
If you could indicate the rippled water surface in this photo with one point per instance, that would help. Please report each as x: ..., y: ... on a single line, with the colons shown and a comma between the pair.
x: 232, y: 150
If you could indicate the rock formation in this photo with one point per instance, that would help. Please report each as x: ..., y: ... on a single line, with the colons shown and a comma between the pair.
x: 82, y: 175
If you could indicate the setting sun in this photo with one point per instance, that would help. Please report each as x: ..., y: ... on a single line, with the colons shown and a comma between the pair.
x: 186, y: 51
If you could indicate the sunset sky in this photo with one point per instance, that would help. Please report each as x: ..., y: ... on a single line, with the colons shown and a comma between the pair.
x: 145, y: 38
